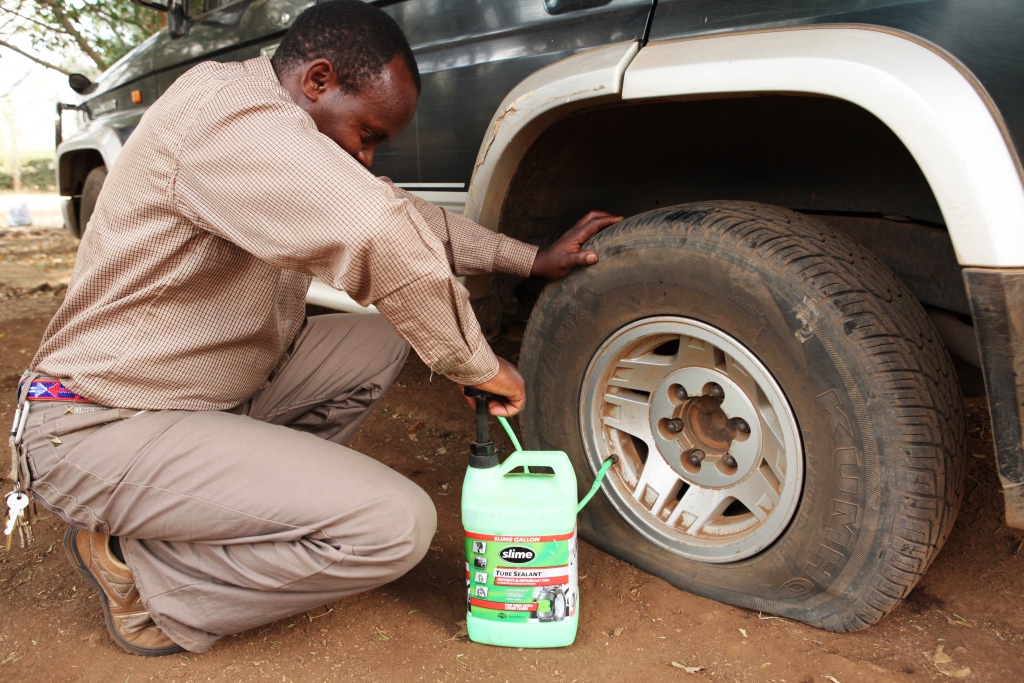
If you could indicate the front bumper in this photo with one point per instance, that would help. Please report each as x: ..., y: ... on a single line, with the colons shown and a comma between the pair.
x: 997, y: 304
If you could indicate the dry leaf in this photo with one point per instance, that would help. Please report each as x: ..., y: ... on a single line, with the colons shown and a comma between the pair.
x: 463, y: 630
x: 831, y: 678
x: 415, y: 427
x: 959, y: 673
x: 617, y: 632
x: 688, y: 669
x: 413, y: 437
x: 959, y: 620
x: 941, y: 657
x: 744, y: 632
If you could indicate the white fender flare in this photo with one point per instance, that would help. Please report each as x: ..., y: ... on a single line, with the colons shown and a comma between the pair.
x: 542, y: 97
x: 929, y: 100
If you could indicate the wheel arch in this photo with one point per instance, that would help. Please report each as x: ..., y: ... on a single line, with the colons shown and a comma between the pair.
x: 936, y: 109
x: 76, y: 157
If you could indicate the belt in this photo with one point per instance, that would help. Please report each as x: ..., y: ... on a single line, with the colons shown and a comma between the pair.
x: 52, y: 390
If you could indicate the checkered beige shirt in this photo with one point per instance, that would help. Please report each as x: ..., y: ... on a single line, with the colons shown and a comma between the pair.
x: 190, y: 281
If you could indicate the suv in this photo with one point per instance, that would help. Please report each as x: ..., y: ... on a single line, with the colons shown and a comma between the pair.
x: 826, y: 201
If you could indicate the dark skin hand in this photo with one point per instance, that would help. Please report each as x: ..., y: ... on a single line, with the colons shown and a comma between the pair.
x: 359, y: 121
x: 567, y: 253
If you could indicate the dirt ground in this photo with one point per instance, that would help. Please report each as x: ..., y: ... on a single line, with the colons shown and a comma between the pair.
x: 964, y: 621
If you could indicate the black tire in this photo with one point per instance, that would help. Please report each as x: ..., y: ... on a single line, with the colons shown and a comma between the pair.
x: 90, y: 193
x: 870, y: 384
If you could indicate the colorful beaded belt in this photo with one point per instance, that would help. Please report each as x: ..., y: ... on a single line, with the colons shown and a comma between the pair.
x: 52, y: 390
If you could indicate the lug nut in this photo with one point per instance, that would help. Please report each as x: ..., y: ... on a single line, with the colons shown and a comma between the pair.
x: 696, y: 457
x: 675, y: 425
x: 716, y: 391
x: 742, y: 426
x: 681, y: 392
x: 729, y: 460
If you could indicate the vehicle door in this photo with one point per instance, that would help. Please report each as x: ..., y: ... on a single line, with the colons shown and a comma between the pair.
x: 471, y: 53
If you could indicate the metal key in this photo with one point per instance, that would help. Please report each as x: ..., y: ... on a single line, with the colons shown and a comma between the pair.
x: 16, y: 504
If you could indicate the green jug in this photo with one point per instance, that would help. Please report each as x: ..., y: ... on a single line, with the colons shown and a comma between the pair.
x: 522, y: 570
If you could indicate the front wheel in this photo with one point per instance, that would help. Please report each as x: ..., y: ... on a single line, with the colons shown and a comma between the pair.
x: 787, y: 424
x: 90, y: 195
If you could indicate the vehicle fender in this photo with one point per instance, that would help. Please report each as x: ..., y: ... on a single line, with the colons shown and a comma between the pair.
x: 936, y: 107
x: 543, y: 97
x: 99, y: 139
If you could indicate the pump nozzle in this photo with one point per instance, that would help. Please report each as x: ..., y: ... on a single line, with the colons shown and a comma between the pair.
x: 481, y: 452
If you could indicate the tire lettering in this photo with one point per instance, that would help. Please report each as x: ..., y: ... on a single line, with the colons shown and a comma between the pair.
x: 837, y: 419
x: 794, y: 588
x: 827, y: 559
x: 848, y: 470
x: 841, y: 527
x: 845, y: 517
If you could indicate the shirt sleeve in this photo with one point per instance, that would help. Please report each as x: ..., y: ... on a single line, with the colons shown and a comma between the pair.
x: 470, y: 247
x: 254, y: 170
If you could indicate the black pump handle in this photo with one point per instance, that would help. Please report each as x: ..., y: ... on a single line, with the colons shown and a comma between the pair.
x: 481, y: 451
x: 482, y: 414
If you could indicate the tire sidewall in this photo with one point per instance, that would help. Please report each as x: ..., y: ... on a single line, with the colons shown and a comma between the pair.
x: 90, y: 195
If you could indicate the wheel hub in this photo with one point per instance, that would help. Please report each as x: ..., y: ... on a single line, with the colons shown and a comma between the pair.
x: 698, y: 435
x: 706, y: 424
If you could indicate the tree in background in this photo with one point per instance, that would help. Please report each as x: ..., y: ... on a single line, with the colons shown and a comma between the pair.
x: 65, y: 35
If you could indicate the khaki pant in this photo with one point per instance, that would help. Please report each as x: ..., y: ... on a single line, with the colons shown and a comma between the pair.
x: 229, y: 521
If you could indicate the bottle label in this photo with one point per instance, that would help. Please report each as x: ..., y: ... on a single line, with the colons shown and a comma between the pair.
x: 522, y: 578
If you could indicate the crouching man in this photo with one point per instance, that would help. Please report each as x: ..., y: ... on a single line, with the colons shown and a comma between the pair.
x: 185, y: 418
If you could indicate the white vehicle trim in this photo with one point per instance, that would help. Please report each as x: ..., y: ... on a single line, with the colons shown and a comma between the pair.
x: 930, y: 101
x: 421, y: 186
x: 450, y: 201
x: 321, y: 294
x: 102, y: 139
x: 550, y: 93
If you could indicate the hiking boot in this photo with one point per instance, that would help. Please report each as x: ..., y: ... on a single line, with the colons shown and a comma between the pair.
x: 127, y: 618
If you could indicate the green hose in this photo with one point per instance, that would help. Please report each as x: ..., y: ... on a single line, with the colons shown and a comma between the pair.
x: 600, y: 473
x: 597, y: 482
x: 511, y: 434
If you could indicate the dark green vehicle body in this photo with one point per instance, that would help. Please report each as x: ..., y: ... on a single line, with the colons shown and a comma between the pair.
x: 810, y: 150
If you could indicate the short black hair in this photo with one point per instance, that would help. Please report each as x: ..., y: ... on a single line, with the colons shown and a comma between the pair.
x: 358, y: 39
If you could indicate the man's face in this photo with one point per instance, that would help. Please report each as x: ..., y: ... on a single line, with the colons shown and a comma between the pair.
x: 360, y: 121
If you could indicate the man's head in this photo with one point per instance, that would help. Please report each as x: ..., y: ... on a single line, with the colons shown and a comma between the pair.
x: 349, y: 66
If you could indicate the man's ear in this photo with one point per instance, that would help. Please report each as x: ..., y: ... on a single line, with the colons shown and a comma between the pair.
x: 318, y: 78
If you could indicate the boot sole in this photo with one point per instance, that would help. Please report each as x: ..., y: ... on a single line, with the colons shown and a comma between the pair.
x: 71, y: 550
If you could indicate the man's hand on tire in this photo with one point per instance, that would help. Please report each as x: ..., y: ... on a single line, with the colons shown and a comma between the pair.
x: 566, y: 253
x: 509, y: 389
x: 556, y: 261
